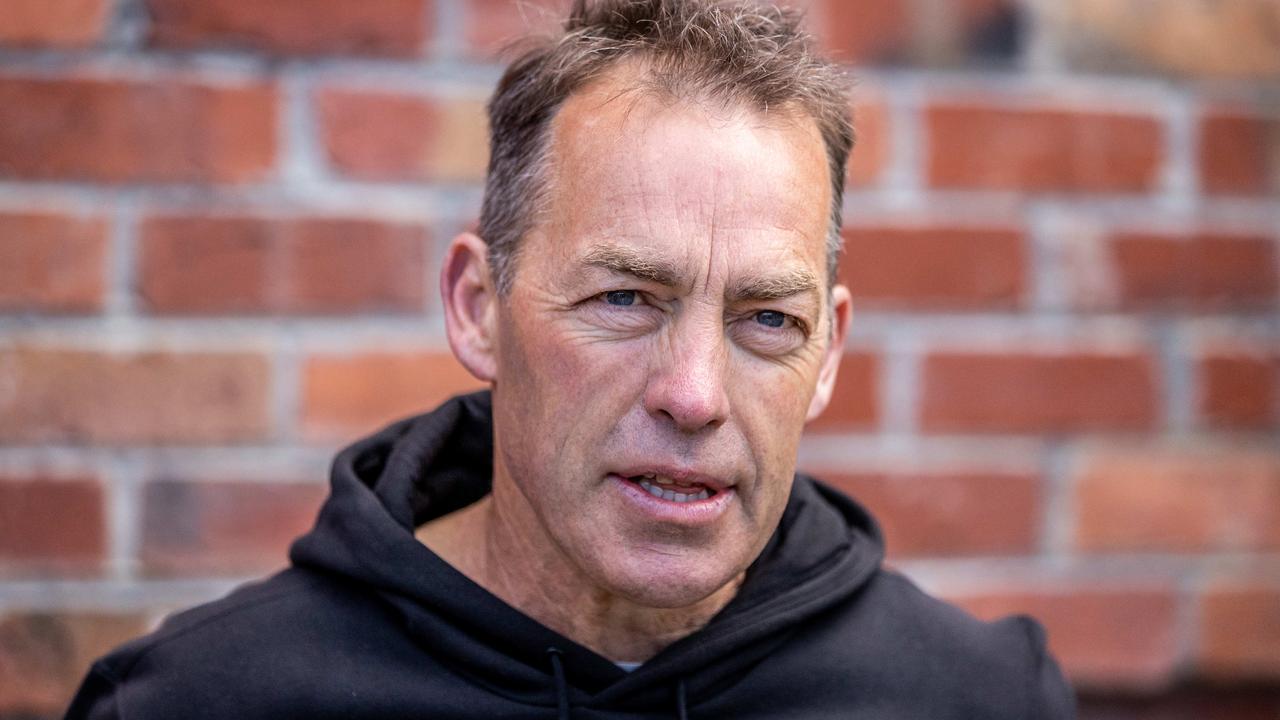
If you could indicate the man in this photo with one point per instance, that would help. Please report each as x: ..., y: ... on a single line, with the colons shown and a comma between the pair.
x: 616, y: 530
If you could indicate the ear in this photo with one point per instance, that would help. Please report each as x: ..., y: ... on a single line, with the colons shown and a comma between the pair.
x: 841, y: 314
x: 469, y: 298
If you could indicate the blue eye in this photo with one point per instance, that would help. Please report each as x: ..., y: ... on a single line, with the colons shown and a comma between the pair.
x: 620, y: 297
x: 771, y: 318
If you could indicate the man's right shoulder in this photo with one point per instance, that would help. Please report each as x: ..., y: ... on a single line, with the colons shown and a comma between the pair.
x: 239, y: 655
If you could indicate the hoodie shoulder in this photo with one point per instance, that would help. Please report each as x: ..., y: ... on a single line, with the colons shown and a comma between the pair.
x: 971, y: 668
x: 254, y: 653
x: 189, y: 632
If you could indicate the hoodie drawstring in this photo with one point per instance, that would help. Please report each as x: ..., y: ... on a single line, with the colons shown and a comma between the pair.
x: 562, y: 685
x: 562, y: 689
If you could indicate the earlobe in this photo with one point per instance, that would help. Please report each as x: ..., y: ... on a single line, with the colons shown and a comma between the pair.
x: 841, y: 314
x: 467, y: 294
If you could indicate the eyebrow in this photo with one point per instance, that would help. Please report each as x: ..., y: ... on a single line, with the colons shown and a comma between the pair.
x: 627, y: 260
x: 630, y: 261
x: 775, y: 287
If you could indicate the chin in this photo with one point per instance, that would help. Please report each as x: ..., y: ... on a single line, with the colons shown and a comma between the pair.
x: 663, y: 580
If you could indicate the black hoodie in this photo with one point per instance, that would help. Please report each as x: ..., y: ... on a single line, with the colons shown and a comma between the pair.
x: 369, y: 623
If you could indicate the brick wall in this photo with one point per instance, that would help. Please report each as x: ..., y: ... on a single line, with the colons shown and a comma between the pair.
x: 220, y: 223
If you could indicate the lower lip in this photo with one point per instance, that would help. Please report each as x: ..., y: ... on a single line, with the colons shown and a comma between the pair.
x: 694, y: 512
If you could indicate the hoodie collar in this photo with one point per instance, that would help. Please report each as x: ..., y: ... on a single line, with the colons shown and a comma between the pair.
x: 383, y: 487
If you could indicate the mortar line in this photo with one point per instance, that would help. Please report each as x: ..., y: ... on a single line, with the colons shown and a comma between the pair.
x: 899, y: 393
x: 1178, y: 382
x: 122, y: 260
x: 124, y: 517
x: 1179, y: 183
x: 1060, y: 466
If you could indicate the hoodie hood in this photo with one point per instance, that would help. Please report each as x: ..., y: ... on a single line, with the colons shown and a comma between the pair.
x: 823, y: 552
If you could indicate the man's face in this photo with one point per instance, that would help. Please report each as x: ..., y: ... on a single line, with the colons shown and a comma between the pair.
x: 664, y: 333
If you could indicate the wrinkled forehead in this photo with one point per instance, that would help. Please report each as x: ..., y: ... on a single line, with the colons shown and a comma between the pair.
x: 629, y: 106
x: 622, y: 157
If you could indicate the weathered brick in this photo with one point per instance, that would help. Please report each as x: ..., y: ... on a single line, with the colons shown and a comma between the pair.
x: 1203, y: 271
x: 125, y: 131
x: 51, y: 525
x: 1194, y: 702
x: 1239, y: 153
x: 395, y: 28
x: 864, y: 33
x: 490, y: 25
x: 1239, y: 390
x: 237, y: 264
x: 348, y: 395
x: 59, y: 395
x: 935, y: 33
x: 385, y: 136
x: 1178, y: 501
x: 854, y: 403
x: 872, y: 144
x: 1103, y: 637
x: 223, y: 527
x: 979, y: 32
x: 934, y: 267
x: 950, y: 514
x: 1234, y: 38
x: 43, y: 657
x: 979, y: 146
x: 1037, y: 392
x: 53, y: 23
x: 51, y: 262
x: 1240, y: 633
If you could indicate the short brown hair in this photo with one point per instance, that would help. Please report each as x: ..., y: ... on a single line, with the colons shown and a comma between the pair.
x: 731, y: 51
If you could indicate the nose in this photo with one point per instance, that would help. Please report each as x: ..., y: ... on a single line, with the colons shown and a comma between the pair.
x: 688, y: 385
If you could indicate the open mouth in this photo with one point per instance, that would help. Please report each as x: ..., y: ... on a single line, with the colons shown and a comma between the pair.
x: 671, y: 490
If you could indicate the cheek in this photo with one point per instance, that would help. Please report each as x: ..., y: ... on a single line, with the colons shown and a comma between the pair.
x: 563, y: 384
x: 771, y: 402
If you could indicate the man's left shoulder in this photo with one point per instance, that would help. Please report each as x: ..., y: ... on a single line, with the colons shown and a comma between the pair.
x: 894, y: 639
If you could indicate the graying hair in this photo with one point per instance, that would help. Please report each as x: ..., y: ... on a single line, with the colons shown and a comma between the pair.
x: 731, y: 51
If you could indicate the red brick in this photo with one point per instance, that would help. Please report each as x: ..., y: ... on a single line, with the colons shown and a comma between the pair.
x: 51, y: 525
x: 989, y: 32
x: 1104, y: 638
x: 52, y: 263
x: 124, y: 131
x: 204, y: 264
x: 1240, y: 391
x: 930, y: 33
x: 1205, y: 271
x: 1179, y: 501
x: 43, y: 657
x: 1041, y: 149
x: 854, y: 403
x: 385, y: 136
x: 872, y: 142
x: 54, y: 23
x: 1223, y: 38
x: 934, y: 267
x: 863, y: 33
x: 58, y: 395
x: 395, y: 28
x: 1240, y: 633
x: 491, y: 25
x: 1037, y: 393
x: 952, y: 513
x: 1195, y: 702
x: 1239, y: 154
x: 223, y: 527
x: 345, y: 395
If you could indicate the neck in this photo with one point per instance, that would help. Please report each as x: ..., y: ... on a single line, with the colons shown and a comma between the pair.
x: 500, y: 547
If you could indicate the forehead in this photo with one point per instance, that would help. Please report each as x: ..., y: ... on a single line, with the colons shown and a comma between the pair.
x: 629, y: 164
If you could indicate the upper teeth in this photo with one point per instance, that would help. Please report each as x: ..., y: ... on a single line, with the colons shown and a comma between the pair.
x: 668, y: 494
